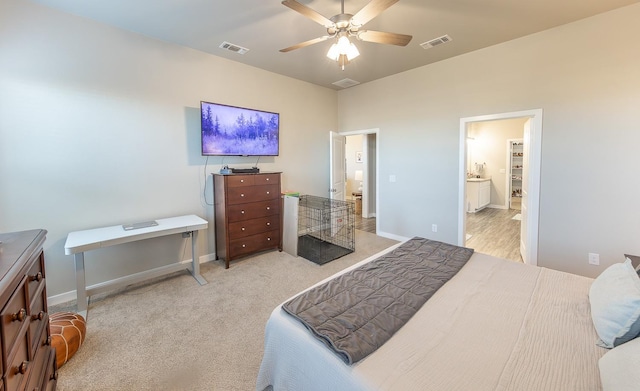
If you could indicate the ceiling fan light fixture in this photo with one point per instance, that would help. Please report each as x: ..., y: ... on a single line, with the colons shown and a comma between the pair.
x: 343, y: 49
x: 333, y: 52
x: 352, y: 52
x: 343, y: 44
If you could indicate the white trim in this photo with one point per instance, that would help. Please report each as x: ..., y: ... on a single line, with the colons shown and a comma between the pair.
x: 534, y: 176
x: 365, y: 184
x: 392, y: 236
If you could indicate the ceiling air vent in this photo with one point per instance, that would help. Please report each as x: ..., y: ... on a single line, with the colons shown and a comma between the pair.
x: 436, y: 42
x: 233, y: 48
x: 346, y: 83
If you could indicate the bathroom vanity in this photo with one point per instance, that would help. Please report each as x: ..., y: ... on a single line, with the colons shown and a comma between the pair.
x: 478, y: 193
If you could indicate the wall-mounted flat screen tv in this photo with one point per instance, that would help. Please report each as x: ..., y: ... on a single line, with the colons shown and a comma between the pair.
x: 237, y: 131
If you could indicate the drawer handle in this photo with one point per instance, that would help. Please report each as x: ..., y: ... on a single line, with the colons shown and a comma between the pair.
x: 241, y: 180
x: 267, y: 179
x: 242, y: 195
x: 242, y: 211
x: 268, y: 192
x: 268, y: 208
x: 268, y: 239
x: 22, y: 369
x: 244, y: 245
x: 40, y: 316
x: 242, y: 228
x: 37, y: 277
x: 20, y: 315
x: 268, y: 223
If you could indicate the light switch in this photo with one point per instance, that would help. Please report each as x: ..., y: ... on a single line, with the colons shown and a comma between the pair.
x: 392, y: 178
x: 502, y: 171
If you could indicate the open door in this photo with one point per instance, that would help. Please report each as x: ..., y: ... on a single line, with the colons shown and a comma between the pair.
x: 337, y: 169
x: 524, y: 208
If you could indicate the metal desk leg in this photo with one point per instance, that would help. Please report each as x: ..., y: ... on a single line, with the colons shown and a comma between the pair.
x: 81, y: 286
x: 195, y: 259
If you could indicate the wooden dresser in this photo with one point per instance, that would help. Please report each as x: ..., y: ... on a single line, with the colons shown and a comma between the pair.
x: 28, y: 360
x: 247, y: 214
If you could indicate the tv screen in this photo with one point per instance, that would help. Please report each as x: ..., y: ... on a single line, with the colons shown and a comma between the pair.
x: 236, y: 131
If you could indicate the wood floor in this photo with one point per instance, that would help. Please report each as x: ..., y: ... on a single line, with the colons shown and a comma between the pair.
x: 495, y: 232
x: 367, y: 225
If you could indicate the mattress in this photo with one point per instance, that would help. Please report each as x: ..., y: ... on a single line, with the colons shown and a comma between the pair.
x: 496, y: 325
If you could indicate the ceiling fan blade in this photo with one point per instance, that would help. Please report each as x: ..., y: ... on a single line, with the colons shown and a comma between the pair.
x: 371, y: 10
x: 386, y: 38
x: 305, y: 43
x: 308, y: 12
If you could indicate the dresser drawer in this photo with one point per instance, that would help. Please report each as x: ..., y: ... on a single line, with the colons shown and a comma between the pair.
x: 240, y: 180
x: 251, y: 227
x: 35, y: 276
x: 19, y: 365
x: 51, y: 374
x: 254, y: 210
x: 243, y: 195
x: 38, y: 370
x: 14, y: 316
x: 254, y: 243
x: 267, y: 179
x: 39, y: 318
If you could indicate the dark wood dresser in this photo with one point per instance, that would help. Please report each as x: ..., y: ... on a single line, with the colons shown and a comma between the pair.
x: 28, y: 360
x: 247, y: 214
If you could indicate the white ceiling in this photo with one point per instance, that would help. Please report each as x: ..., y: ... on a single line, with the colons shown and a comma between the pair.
x: 265, y: 26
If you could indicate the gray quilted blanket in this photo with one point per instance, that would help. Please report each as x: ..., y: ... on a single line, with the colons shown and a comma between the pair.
x: 358, y: 311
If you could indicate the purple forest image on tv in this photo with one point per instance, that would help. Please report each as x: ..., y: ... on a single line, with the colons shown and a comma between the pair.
x: 236, y: 131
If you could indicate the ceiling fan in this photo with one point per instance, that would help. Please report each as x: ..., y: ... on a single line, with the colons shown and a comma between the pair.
x: 343, y: 26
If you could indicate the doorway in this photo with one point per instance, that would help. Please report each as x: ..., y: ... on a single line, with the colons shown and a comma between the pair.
x: 532, y: 135
x: 361, y: 176
x: 494, y: 150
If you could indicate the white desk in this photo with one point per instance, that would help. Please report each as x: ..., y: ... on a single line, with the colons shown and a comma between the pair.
x: 80, y: 241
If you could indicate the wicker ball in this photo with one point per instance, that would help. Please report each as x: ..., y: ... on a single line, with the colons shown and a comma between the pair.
x: 67, y: 334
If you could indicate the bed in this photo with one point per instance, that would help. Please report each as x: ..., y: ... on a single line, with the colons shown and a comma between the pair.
x: 495, y: 325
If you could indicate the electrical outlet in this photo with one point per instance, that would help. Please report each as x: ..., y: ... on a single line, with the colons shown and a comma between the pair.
x: 594, y: 259
x: 434, y: 227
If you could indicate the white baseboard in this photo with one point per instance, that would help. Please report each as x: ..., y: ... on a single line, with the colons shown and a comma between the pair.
x: 494, y: 206
x: 392, y: 236
x: 71, y: 295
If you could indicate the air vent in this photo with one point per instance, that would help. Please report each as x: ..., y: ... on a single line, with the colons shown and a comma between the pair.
x: 346, y: 83
x: 436, y: 42
x: 233, y: 48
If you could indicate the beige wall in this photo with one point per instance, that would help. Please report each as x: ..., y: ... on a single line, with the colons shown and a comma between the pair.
x: 588, y: 87
x: 99, y: 127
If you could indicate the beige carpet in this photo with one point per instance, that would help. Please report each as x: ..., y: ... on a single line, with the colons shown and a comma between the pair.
x: 172, y: 334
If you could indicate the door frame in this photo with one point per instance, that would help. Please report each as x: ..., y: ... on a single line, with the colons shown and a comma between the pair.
x: 366, y: 166
x: 333, y: 192
x: 535, y: 150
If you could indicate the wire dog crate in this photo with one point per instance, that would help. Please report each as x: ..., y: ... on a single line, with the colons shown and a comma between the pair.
x: 326, y: 228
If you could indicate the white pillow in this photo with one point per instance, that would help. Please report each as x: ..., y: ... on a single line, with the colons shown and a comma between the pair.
x: 619, y: 367
x: 615, y: 304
